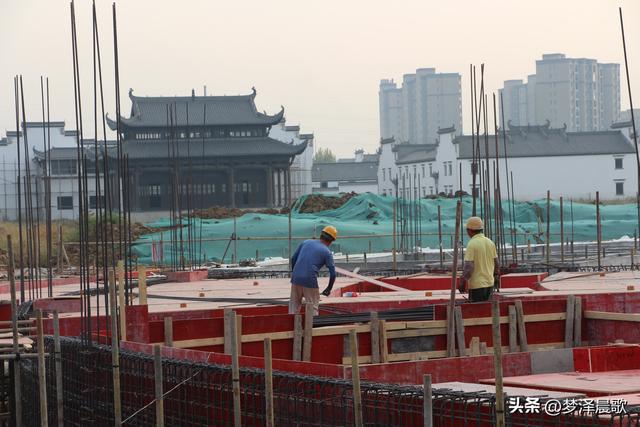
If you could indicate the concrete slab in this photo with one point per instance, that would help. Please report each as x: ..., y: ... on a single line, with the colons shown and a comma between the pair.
x: 511, y: 391
x: 549, y: 361
x: 591, y: 384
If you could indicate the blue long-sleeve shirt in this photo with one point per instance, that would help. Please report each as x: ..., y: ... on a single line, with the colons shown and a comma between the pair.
x: 307, y: 260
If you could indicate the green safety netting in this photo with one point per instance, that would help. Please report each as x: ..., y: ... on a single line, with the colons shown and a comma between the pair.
x: 369, y: 217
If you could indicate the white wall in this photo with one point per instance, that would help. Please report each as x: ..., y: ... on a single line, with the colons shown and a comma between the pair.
x: 386, y: 162
x: 570, y: 177
x: 302, y: 163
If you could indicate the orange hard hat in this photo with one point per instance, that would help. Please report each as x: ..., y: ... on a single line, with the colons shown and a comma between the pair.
x: 331, y: 231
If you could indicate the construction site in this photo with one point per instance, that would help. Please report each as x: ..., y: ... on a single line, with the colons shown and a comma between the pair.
x: 114, y: 318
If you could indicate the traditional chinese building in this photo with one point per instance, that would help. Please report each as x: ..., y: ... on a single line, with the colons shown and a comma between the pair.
x: 205, y: 151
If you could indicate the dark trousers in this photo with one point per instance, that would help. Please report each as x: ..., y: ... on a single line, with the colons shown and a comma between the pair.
x: 480, y: 294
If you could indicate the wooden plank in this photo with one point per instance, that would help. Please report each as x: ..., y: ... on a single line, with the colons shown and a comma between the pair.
x: 142, y: 285
x: 369, y: 280
x: 409, y: 333
x: 451, y: 343
x: 268, y: 383
x: 462, y: 346
x: 239, y: 333
x: 308, y: 332
x: 283, y: 335
x: 568, y: 324
x: 42, y: 374
x: 340, y: 330
x: 58, y: 361
x: 513, y: 331
x: 229, y: 316
x: 577, y: 323
x: 497, y: 363
x: 605, y: 315
x: 355, y: 379
x: 297, y: 337
x: 384, y: 350
x: 425, y: 355
x: 197, y: 342
x: 157, y: 369
x: 522, y: 332
x: 121, y: 301
x: 427, y: 403
x: 375, y: 337
x: 235, y: 372
x: 168, y: 331
x: 475, y: 346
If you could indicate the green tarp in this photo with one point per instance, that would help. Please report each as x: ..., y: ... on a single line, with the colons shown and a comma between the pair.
x: 369, y: 217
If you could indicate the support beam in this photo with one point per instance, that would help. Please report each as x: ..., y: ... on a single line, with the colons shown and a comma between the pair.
x: 157, y: 369
x: 42, y: 375
x: 297, y: 337
x: 168, y: 331
x: 577, y: 323
x: 268, y: 384
x: 568, y: 324
x: 308, y: 332
x: 355, y: 378
x: 375, y: 338
x: 462, y: 347
x: 522, y: 332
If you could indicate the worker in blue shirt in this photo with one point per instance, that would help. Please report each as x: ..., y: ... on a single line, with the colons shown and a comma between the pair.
x: 307, y: 260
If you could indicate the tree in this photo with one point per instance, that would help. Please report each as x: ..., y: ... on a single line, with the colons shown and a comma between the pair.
x: 324, y: 155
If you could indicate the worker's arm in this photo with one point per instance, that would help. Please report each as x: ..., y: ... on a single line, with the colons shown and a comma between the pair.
x: 467, y: 269
x: 332, y: 274
x: 496, y: 267
x: 294, y: 258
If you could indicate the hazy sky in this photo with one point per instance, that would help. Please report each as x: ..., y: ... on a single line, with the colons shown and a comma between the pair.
x: 322, y: 60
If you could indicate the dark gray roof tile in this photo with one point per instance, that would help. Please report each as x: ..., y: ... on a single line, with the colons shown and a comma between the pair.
x: 219, y: 147
x: 550, y: 142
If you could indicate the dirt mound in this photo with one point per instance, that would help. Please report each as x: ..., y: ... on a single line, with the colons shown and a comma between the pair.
x: 319, y: 202
x: 220, y: 212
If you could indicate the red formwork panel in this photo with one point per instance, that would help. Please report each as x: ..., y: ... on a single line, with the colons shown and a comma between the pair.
x: 463, y: 369
x: 187, y: 276
x: 59, y: 304
x: 443, y: 282
x: 137, y: 323
x: 606, y: 358
x: 307, y: 368
x: 522, y: 280
x: 5, y: 310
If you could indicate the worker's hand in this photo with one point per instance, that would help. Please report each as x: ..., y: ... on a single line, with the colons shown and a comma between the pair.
x: 326, y: 292
x: 462, y: 285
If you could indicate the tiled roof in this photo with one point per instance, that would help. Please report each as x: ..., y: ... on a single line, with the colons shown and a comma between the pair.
x: 550, y: 142
x: 220, y: 110
x: 219, y: 147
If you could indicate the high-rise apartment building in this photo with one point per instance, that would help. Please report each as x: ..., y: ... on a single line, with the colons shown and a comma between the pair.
x: 580, y: 93
x: 426, y: 102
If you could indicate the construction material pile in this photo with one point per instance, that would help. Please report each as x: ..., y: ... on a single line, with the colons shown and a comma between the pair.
x: 365, y: 224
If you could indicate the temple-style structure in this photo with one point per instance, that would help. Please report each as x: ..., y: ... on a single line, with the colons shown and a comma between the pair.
x: 204, y: 151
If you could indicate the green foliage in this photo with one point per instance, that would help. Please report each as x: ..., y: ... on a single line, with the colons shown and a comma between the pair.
x: 324, y: 155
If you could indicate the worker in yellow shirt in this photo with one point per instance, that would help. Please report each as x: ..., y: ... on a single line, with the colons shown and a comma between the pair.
x: 480, y: 263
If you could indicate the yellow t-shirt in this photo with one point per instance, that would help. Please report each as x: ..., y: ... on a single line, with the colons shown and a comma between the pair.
x: 482, y: 252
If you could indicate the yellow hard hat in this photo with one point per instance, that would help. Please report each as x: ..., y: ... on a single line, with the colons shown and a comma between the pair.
x: 331, y: 231
x: 474, y: 223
